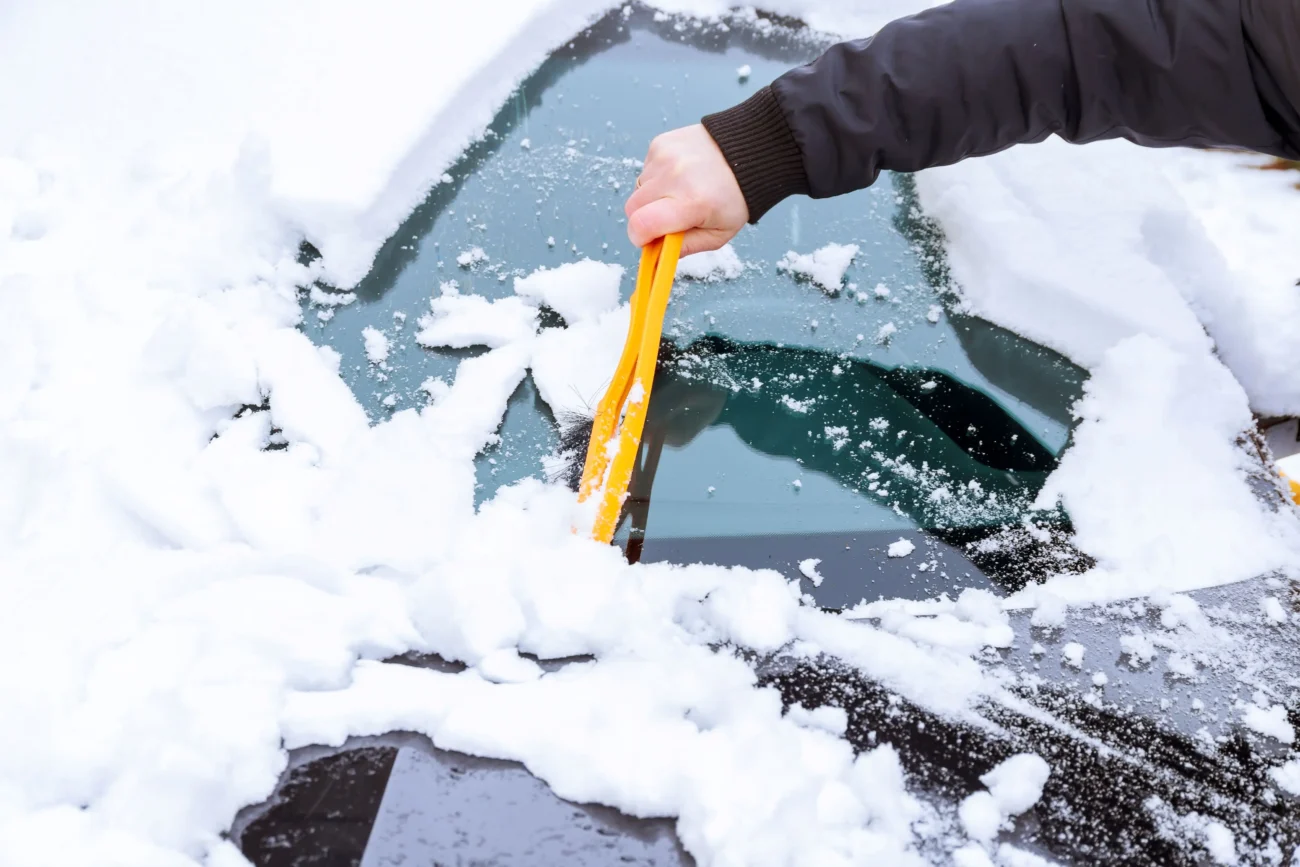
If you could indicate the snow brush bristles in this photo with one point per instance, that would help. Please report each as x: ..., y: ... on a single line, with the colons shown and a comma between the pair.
x: 616, y: 429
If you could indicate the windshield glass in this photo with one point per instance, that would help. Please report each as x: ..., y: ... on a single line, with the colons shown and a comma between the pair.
x: 791, y: 420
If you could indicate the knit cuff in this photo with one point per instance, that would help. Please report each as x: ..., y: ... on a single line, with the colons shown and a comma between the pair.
x: 760, y: 148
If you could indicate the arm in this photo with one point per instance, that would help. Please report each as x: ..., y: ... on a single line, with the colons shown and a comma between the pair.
x: 977, y: 76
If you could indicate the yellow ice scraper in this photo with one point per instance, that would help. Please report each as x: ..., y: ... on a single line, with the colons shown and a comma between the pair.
x: 612, y: 452
x: 1289, y: 468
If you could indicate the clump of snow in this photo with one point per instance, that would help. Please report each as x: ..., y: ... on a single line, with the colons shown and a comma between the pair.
x: 471, y: 320
x: 711, y: 266
x: 578, y: 291
x: 886, y: 332
x: 824, y: 267
x: 1272, y: 610
x: 838, y: 436
x: 901, y: 548
x: 980, y: 817
x: 471, y: 257
x: 743, y: 72
x: 1139, y: 648
x: 1072, y: 654
x: 1050, y: 612
x: 376, y: 343
x: 1181, y: 665
x: 1287, y: 776
x: 1017, y: 783
x: 1221, y: 843
x: 1014, y: 786
x: 808, y: 568
x: 795, y: 405
x: 1269, y: 721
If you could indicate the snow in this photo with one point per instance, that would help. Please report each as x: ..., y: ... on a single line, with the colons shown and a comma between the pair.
x: 1114, y: 478
x: 186, y: 602
x: 980, y: 817
x: 1270, y: 721
x: 808, y: 568
x: 901, y: 548
x: 827, y: 718
x: 1287, y: 776
x: 971, y: 855
x: 571, y: 366
x: 471, y: 257
x: 1013, y: 787
x: 376, y: 343
x: 1072, y: 654
x: 825, y: 267
x: 1272, y: 610
x: 711, y: 266
x: 1220, y: 843
x: 578, y: 291
x: 472, y: 320
x: 743, y: 72
x: 1139, y: 648
x: 1017, y: 783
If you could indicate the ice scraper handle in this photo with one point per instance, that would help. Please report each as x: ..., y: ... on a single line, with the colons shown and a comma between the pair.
x: 613, y: 450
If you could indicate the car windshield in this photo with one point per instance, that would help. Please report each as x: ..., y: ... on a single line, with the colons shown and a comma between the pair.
x: 791, y: 419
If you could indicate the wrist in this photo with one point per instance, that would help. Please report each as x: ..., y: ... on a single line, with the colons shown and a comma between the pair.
x: 761, y: 150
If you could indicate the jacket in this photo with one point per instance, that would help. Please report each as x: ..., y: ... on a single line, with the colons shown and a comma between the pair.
x: 977, y: 76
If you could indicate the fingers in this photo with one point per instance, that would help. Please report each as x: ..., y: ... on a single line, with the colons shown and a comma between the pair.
x: 704, y: 240
x: 662, y: 216
x: 642, y: 195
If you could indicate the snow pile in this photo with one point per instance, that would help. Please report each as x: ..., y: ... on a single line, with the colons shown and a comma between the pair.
x: 1190, y: 242
x: 711, y: 266
x: 578, y: 291
x: 1119, y: 476
x: 167, y: 103
x: 824, y: 267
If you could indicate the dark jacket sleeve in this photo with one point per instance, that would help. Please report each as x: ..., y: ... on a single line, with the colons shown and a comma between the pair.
x: 978, y: 76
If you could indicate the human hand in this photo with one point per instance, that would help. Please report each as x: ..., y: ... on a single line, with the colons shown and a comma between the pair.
x: 686, y: 186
